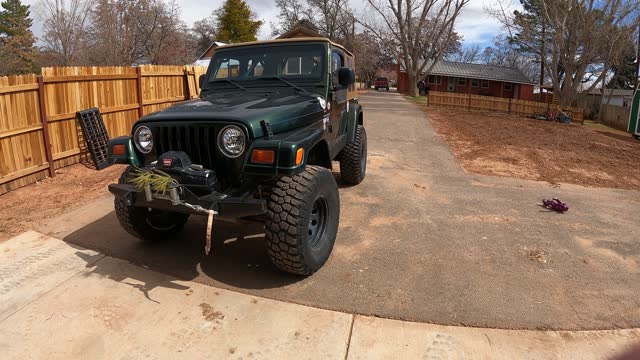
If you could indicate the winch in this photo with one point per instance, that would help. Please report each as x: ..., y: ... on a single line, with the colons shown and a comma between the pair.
x: 178, y: 164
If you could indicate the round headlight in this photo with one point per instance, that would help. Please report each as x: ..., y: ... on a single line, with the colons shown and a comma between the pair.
x: 231, y: 141
x: 143, y: 138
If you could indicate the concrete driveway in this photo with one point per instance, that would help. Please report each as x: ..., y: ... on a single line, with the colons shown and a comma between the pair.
x: 422, y: 240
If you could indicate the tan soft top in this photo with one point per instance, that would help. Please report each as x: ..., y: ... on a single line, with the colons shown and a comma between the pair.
x: 290, y: 40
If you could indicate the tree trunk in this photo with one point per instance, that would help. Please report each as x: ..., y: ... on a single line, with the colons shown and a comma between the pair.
x: 411, y: 86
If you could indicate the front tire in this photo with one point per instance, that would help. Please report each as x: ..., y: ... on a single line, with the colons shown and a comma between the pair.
x: 302, y: 220
x: 149, y: 225
x: 353, y: 159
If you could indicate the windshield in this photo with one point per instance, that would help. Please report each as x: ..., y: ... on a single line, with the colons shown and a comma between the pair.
x: 291, y: 62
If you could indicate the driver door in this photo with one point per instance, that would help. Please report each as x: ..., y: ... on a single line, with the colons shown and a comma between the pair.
x: 338, y: 101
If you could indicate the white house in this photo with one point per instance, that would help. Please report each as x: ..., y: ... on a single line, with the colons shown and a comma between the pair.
x: 618, y: 97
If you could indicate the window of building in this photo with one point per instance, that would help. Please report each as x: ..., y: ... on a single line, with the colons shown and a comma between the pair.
x: 462, y: 82
x: 434, y: 79
x: 485, y: 84
x: 475, y: 83
x: 508, y: 87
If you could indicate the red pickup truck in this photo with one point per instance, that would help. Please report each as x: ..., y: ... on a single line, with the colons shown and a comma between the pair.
x: 381, y: 83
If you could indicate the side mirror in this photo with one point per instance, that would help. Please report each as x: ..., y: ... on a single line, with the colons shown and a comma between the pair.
x: 202, y: 80
x: 346, y: 76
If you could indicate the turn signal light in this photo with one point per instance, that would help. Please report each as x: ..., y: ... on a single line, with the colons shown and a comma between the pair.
x: 262, y: 156
x: 119, y: 149
x: 299, y: 156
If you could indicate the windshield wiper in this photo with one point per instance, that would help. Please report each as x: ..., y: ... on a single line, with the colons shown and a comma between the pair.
x: 230, y: 82
x: 302, y: 90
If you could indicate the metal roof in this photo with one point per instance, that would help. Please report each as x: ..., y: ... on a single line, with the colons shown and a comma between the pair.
x: 479, y: 71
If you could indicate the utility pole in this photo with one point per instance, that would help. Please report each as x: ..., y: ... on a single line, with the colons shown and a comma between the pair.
x: 542, y: 56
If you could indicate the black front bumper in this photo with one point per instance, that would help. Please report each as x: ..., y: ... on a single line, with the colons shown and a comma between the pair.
x: 189, y: 203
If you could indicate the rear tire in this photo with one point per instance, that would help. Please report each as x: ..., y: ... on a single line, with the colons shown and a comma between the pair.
x: 353, y: 158
x: 302, y: 220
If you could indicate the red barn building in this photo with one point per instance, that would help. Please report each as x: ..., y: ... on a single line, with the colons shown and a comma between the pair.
x: 476, y: 79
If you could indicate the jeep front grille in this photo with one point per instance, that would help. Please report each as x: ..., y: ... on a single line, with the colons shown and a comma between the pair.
x: 198, y: 141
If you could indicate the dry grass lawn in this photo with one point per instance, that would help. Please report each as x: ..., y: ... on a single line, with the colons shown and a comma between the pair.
x: 503, y: 145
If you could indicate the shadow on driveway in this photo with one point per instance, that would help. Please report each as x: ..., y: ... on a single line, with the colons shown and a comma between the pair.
x: 238, y: 258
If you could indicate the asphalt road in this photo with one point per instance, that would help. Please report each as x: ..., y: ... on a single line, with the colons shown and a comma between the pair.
x: 422, y: 240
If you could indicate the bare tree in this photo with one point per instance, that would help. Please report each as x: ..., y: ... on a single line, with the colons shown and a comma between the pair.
x: 420, y: 32
x: 205, y: 33
x: 577, y: 41
x: 504, y: 52
x: 161, y: 32
x: 65, y: 29
x: 371, y: 56
x: 331, y: 18
x: 114, y: 34
x: 469, y: 54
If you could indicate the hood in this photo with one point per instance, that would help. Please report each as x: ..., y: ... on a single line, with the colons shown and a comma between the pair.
x: 283, y: 111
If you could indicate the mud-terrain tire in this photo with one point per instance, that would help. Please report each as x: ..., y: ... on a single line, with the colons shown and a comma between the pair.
x: 353, y: 159
x: 302, y: 220
x: 148, y: 225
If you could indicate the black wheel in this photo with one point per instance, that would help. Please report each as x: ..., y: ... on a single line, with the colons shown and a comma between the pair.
x: 637, y: 137
x: 302, y: 220
x: 353, y: 158
x: 376, y: 88
x: 146, y: 224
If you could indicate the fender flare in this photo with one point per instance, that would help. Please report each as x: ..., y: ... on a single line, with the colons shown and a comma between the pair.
x: 355, y: 118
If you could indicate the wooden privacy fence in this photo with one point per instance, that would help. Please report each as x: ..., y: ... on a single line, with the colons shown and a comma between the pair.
x: 496, y: 104
x: 38, y: 129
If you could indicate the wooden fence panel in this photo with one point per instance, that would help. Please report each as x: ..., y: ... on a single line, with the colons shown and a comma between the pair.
x: 114, y: 90
x: 71, y: 89
x: 22, y: 153
x: 496, y: 104
x: 162, y: 86
x: 488, y: 103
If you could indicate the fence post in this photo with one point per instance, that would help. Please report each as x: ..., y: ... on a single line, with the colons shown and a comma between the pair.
x: 186, y: 83
x: 139, y: 92
x: 469, y: 102
x: 44, y: 118
x: 428, y: 99
x: 510, y: 106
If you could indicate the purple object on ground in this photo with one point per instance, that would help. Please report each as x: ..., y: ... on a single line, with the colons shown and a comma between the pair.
x: 555, y: 204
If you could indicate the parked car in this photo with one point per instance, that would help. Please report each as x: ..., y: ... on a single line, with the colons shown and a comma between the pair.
x: 257, y: 146
x: 381, y: 83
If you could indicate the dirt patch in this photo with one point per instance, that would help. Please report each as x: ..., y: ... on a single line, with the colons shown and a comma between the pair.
x: 73, y: 186
x: 209, y: 314
x: 503, y: 145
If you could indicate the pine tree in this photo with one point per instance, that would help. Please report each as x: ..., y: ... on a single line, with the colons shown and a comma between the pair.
x: 236, y: 23
x: 624, y: 74
x: 17, y: 53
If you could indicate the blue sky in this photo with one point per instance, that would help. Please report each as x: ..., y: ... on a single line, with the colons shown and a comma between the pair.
x: 475, y: 25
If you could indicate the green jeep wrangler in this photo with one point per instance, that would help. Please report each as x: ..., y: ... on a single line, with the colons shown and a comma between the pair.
x: 257, y: 145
